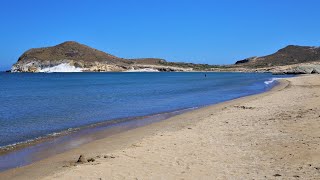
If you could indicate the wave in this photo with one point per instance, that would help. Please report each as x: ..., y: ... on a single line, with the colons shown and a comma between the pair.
x: 271, y: 81
x: 39, y: 138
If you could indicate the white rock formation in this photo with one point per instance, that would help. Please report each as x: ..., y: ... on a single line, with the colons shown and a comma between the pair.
x: 61, y: 68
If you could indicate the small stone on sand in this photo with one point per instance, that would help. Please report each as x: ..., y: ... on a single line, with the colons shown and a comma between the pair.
x: 82, y: 159
x: 91, y: 160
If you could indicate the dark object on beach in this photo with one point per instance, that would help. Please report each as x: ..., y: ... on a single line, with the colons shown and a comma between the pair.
x: 112, y: 157
x: 244, y: 107
x: 277, y: 175
x: 82, y: 159
x: 91, y: 160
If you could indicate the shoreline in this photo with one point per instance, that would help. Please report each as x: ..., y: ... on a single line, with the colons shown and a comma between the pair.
x: 61, y: 142
x: 276, y: 86
x: 43, y: 143
x: 103, y: 124
x: 126, y: 147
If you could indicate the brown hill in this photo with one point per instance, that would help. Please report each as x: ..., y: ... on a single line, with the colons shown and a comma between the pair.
x: 69, y: 50
x: 71, y: 54
x: 78, y: 55
x: 287, y: 56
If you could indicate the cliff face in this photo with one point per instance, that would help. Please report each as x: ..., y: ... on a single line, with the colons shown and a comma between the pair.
x: 74, y: 57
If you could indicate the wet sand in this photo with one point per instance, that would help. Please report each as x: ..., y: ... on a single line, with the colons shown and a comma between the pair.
x: 14, y: 156
x: 266, y: 136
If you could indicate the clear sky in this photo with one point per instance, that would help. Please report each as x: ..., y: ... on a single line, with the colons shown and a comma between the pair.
x: 199, y: 31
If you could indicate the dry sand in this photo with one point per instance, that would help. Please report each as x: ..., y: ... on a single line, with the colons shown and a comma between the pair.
x: 274, y: 135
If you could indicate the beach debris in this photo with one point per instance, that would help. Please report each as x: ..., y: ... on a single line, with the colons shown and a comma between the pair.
x: 91, y: 160
x: 82, y: 159
x: 277, y: 175
x: 189, y: 128
x: 136, y: 145
x: 244, y: 107
x: 296, y: 176
x: 112, y: 157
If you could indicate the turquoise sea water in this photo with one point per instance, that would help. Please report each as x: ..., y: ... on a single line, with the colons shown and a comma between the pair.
x: 36, y: 105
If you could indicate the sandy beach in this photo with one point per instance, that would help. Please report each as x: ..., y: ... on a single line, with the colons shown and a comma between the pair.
x: 274, y: 135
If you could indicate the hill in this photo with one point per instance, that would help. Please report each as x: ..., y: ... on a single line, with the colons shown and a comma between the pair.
x: 287, y: 56
x: 69, y: 53
x: 71, y: 56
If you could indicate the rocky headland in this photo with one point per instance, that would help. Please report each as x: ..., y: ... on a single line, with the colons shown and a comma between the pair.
x: 289, y: 60
x: 71, y: 56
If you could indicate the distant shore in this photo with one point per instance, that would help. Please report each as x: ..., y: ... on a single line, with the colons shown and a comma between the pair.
x: 71, y: 56
x: 298, y: 68
x: 273, y: 134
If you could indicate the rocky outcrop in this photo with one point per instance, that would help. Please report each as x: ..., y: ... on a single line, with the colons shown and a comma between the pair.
x: 289, y: 60
x: 304, y: 69
x: 289, y: 55
x: 74, y: 57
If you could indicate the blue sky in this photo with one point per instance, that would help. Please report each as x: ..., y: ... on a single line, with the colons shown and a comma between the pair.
x: 199, y: 31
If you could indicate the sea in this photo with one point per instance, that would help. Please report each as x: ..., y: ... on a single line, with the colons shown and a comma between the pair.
x: 36, y: 105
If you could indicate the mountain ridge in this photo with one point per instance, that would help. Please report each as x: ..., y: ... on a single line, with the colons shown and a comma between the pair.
x: 71, y: 56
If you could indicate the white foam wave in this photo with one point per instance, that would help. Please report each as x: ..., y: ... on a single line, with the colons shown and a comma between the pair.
x: 272, y: 80
x: 54, y: 134
x: 64, y: 67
